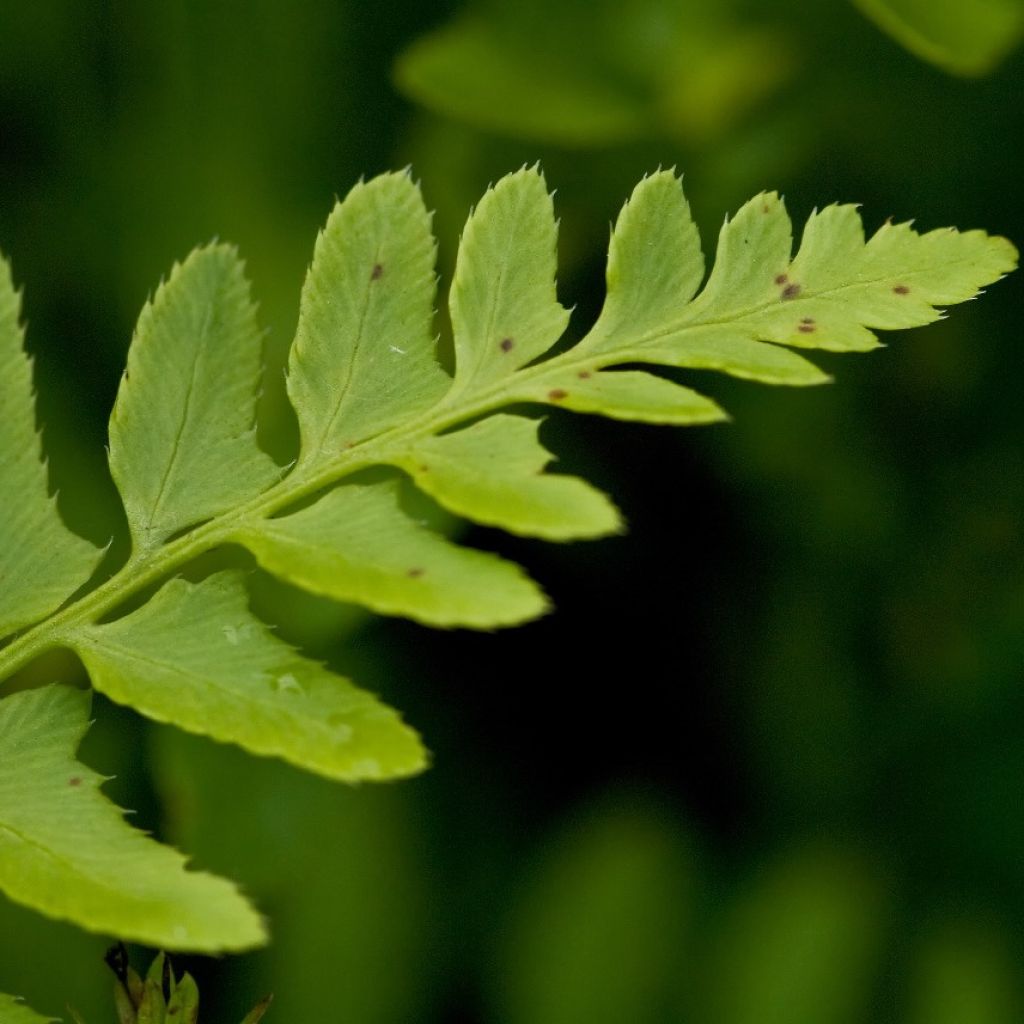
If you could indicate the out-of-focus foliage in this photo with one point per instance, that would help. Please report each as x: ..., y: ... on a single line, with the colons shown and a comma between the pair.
x: 829, y: 688
x: 969, y: 37
x: 618, y: 887
x: 340, y: 873
x: 801, y: 943
x: 582, y: 73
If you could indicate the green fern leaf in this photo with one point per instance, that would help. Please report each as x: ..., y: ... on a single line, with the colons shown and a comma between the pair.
x: 357, y: 544
x: 41, y: 561
x: 626, y: 395
x: 828, y: 296
x: 195, y: 656
x: 14, y: 1011
x: 65, y: 849
x: 368, y: 393
x: 492, y: 472
x: 503, y: 305
x: 363, y: 358
x: 182, y: 434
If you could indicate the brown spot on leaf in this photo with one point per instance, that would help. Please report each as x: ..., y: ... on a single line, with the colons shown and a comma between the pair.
x: 424, y: 469
x: 782, y: 279
x: 558, y: 394
x: 805, y: 328
x: 901, y: 289
x: 791, y: 291
x: 377, y: 273
x: 584, y: 375
x: 415, y: 574
x: 506, y: 344
x: 75, y: 780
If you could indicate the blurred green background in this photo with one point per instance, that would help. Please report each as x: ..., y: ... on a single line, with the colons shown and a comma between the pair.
x: 766, y: 762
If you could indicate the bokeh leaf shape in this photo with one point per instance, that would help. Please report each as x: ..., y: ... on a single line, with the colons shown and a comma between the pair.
x: 67, y: 852
x: 966, y: 37
x: 195, y: 656
x: 14, y: 1011
x: 358, y: 544
x: 468, y: 70
x: 182, y: 434
x: 963, y: 970
x: 41, y: 561
x: 605, y: 925
x: 598, y: 73
x: 363, y: 358
x: 800, y: 945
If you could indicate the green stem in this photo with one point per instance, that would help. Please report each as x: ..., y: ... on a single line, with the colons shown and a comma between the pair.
x: 147, y: 568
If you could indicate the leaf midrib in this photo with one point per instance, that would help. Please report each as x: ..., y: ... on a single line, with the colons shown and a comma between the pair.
x: 186, y: 409
x: 133, y: 654
x: 70, y: 866
x: 683, y: 323
x: 350, y: 366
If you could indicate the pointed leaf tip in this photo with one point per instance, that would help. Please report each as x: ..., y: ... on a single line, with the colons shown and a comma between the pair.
x: 67, y: 852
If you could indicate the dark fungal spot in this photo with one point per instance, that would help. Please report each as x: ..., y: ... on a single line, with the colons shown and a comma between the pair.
x: 557, y: 394
x: 805, y: 328
x: 415, y: 574
x: 377, y: 273
x: 506, y: 344
x: 901, y: 289
x: 782, y: 279
x: 584, y: 375
x: 791, y: 291
x: 75, y: 780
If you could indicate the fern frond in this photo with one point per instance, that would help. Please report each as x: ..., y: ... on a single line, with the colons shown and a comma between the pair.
x: 368, y: 392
